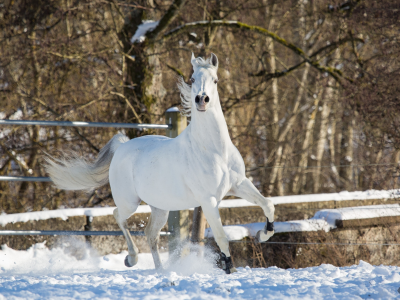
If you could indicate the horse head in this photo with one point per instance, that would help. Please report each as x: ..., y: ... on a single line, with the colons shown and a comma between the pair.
x: 204, y: 80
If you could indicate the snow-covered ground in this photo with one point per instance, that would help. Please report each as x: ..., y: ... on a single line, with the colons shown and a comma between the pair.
x: 40, y: 273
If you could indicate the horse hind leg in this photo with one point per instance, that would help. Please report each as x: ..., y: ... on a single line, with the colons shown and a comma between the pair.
x: 121, y: 218
x: 157, y: 221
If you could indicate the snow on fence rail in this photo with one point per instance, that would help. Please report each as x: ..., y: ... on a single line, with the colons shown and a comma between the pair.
x: 64, y: 214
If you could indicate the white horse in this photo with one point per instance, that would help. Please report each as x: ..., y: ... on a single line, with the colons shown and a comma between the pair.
x: 197, y: 168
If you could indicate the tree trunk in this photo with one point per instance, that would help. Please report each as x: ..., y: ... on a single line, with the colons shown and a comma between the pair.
x: 304, y: 149
x: 396, y: 173
x: 332, y: 152
x: 143, y: 81
x: 326, y: 108
x: 287, y: 128
x: 280, y: 179
x: 329, y: 99
x: 346, y: 153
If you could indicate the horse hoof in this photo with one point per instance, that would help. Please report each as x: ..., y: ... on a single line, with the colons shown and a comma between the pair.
x: 130, y: 261
x: 227, y: 265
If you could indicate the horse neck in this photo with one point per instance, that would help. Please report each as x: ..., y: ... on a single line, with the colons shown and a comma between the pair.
x: 209, y: 130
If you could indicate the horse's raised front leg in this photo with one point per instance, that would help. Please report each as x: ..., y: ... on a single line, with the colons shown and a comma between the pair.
x: 132, y: 258
x: 157, y: 221
x: 210, y: 209
x: 248, y: 191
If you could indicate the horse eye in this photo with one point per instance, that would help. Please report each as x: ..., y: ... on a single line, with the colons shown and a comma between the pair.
x: 216, y: 81
x: 192, y: 80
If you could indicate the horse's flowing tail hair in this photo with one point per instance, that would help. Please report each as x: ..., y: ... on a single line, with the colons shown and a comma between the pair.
x: 75, y: 173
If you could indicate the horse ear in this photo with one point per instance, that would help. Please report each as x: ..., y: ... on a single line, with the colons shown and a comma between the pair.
x: 214, y: 60
x: 193, y: 61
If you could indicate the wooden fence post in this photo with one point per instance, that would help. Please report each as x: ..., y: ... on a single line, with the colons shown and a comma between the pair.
x: 199, y: 226
x: 178, y: 221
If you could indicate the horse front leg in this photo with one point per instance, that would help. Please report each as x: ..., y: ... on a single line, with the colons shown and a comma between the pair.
x: 211, y: 212
x: 248, y: 191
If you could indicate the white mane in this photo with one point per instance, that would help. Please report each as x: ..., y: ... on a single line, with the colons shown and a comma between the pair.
x: 186, y: 89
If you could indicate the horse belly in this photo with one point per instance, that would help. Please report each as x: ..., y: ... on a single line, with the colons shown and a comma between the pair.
x: 159, y: 179
x: 167, y: 199
x: 165, y: 192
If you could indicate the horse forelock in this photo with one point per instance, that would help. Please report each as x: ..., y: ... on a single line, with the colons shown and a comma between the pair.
x: 203, y: 63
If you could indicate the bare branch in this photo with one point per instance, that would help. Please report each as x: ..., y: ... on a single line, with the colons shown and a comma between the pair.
x: 331, y: 46
x: 129, y: 104
x: 176, y: 70
x: 57, y: 114
x: 166, y: 19
x: 335, y: 73
x: 269, y: 76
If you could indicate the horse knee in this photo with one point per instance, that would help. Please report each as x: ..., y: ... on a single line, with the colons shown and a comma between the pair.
x: 270, y: 206
x: 269, y: 209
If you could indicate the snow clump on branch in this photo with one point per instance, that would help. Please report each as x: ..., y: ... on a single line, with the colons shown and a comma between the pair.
x: 140, y: 34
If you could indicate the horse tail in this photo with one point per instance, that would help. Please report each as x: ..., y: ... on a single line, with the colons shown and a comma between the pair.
x: 75, y: 173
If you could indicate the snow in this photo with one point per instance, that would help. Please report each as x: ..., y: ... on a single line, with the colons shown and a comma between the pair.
x: 140, y: 34
x: 173, y: 109
x: 342, y: 196
x: 64, y: 214
x: 359, y: 212
x: 17, y: 115
x: 40, y: 273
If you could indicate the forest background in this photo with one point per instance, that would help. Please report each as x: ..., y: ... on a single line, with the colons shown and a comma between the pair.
x: 309, y: 88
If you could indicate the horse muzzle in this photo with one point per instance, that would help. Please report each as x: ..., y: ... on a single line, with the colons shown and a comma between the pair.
x: 202, y: 102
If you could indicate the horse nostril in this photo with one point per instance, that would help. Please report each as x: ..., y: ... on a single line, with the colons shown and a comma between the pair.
x: 197, y: 99
x: 207, y: 99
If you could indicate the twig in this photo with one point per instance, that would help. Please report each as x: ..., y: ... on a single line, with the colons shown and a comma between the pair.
x: 129, y: 104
